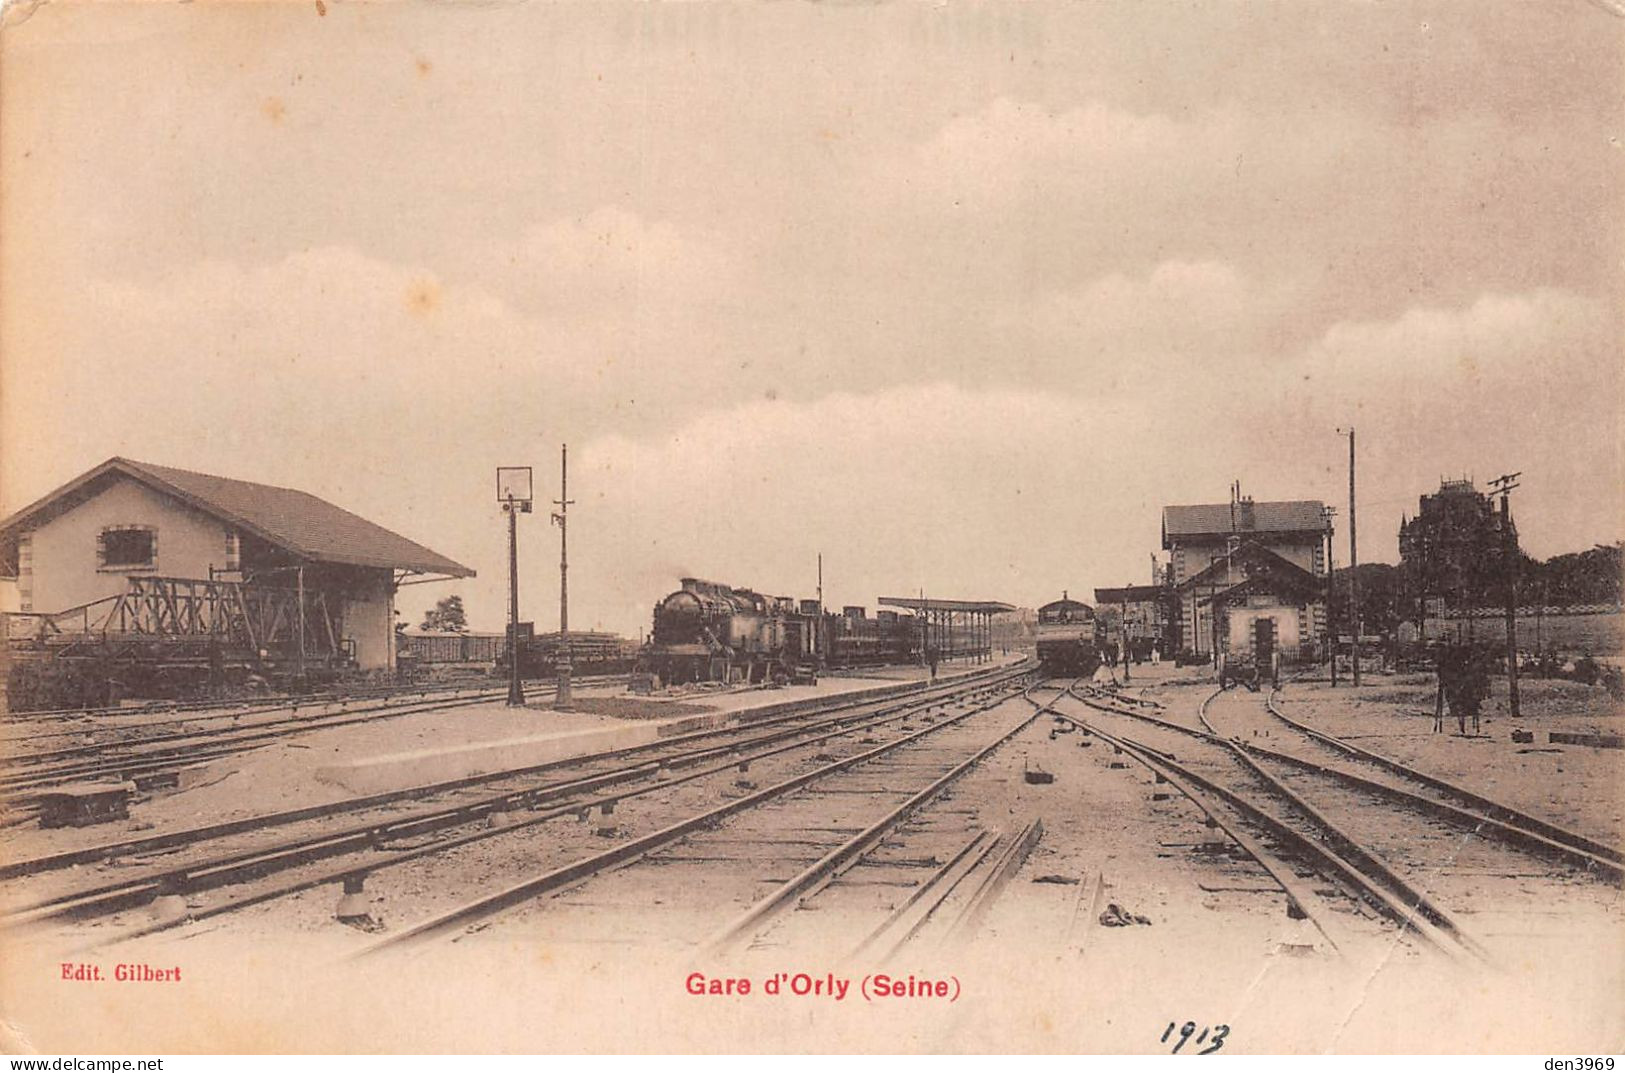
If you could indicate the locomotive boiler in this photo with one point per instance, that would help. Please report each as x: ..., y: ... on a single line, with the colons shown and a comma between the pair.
x: 706, y: 632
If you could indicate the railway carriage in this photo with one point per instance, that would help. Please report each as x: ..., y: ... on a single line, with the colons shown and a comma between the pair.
x: 1069, y: 637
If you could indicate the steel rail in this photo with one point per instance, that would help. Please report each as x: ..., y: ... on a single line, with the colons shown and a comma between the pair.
x: 1370, y: 878
x: 1493, y: 810
x: 1474, y: 822
x: 1517, y: 828
x: 586, y: 867
x: 126, y: 766
x: 843, y: 856
x: 314, y: 720
x: 395, y: 858
x: 833, y: 711
x: 259, y: 704
x: 1299, y: 899
x: 1369, y: 862
x: 163, y: 760
x: 233, y: 737
x: 250, y: 864
x: 215, y: 713
x: 933, y: 887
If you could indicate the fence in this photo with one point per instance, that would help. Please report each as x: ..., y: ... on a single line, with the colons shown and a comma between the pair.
x: 1593, y: 630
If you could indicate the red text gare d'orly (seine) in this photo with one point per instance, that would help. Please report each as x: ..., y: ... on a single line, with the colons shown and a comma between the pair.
x: 874, y: 987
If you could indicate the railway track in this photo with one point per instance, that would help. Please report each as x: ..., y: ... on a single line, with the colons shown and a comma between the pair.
x: 237, y: 855
x: 136, y: 757
x: 1589, y: 853
x: 121, y: 721
x: 268, y: 702
x: 1273, y: 830
x: 845, y: 829
x: 1380, y: 775
x: 123, y: 761
x: 1416, y: 858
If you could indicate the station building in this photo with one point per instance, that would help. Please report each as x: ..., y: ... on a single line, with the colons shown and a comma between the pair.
x: 131, y: 550
x: 1249, y: 578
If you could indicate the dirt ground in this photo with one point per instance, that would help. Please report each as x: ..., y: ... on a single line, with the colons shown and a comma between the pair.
x: 1577, y: 786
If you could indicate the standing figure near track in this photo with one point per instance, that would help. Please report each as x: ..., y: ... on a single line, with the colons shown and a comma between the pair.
x: 1438, y: 701
x: 1464, y: 683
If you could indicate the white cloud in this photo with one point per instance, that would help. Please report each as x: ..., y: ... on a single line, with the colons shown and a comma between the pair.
x: 1501, y: 342
x: 971, y: 494
x: 1188, y: 319
x: 1525, y: 382
x: 612, y: 256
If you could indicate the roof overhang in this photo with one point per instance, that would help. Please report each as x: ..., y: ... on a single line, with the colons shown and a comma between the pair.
x: 1132, y: 594
x: 914, y: 603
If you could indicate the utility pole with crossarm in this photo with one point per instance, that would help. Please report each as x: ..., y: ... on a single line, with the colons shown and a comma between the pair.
x: 562, y: 702
x: 1503, y: 486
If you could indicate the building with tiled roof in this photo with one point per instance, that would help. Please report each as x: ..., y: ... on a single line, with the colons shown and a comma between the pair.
x: 125, y: 522
x: 1249, y: 577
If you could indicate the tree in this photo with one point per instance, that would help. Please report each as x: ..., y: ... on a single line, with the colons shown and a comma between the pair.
x: 1386, y: 598
x: 1456, y: 548
x: 446, y: 615
x: 1585, y: 577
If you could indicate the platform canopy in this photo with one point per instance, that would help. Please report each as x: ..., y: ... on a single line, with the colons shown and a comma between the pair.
x: 1132, y: 594
x: 914, y: 603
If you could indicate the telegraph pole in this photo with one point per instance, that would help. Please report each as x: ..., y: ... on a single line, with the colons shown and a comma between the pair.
x: 514, y: 493
x: 561, y: 703
x: 1354, y: 570
x: 1503, y: 487
x: 818, y: 623
x: 1330, y: 513
x: 1123, y: 631
x: 516, y: 691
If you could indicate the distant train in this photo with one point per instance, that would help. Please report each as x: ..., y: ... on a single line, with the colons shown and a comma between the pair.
x: 708, y: 632
x: 1069, y: 637
x: 590, y: 653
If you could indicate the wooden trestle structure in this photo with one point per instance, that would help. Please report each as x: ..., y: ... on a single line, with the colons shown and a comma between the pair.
x: 194, y: 622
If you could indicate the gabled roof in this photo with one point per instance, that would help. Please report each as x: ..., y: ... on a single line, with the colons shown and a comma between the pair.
x: 308, y: 527
x: 1252, y: 559
x: 1222, y: 519
x: 1272, y: 585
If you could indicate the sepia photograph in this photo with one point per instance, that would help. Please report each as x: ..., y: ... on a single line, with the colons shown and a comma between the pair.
x: 728, y: 527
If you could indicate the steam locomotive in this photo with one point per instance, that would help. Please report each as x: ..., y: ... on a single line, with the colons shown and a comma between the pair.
x: 708, y: 632
x: 1069, y: 637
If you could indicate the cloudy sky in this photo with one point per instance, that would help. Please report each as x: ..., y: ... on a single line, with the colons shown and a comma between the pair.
x: 958, y: 295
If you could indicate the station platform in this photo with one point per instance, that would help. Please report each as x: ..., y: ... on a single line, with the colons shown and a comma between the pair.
x: 487, y: 742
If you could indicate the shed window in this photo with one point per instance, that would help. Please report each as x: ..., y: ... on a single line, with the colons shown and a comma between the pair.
x: 134, y: 546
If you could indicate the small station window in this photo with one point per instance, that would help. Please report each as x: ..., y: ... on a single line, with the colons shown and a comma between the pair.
x: 128, y: 547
